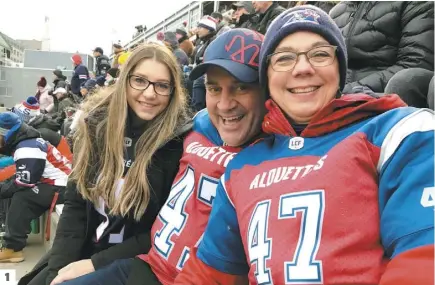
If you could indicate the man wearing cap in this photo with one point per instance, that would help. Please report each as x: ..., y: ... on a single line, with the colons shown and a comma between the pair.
x: 244, y: 15
x: 41, y: 172
x: 232, y: 120
x: 102, y: 62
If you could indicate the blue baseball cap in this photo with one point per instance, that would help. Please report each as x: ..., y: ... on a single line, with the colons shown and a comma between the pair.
x: 236, y: 51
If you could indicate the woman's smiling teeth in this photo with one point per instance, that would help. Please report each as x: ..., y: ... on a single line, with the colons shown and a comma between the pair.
x: 304, y: 89
x: 232, y: 120
x: 145, y: 104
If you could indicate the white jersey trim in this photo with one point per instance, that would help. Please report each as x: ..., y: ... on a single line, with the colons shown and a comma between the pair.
x: 422, y: 120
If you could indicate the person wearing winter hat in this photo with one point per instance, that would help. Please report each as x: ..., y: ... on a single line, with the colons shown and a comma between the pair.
x: 332, y: 168
x: 64, y: 102
x: 111, y: 76
x: 59, y: 80
x: 29, y: 113
x: 170, y: 40
x: 183, y: 39
x: 80, y: 74
x: 40, y: 180
x: 27, y: 109
x: 43, y: 96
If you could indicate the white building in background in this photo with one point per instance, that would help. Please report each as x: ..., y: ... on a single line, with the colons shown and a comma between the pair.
x: 11, y: 51
x: 45, y: 46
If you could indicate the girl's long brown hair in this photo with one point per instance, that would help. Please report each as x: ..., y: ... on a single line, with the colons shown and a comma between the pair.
x: 99, y: 140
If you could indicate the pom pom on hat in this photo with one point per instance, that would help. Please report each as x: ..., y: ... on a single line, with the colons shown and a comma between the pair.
x: 42, y: 82
x: 208, y: 22
x: 27, y: 109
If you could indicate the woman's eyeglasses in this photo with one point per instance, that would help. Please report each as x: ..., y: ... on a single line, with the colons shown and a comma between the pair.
x: 318, y: 56
x: 141, y: 84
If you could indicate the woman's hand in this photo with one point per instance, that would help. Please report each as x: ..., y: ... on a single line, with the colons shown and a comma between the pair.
x: 73, y: 270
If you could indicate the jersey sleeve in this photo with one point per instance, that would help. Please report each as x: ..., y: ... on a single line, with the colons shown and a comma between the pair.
x: 30, y: 159
x: 221, y: 247
x: 406, y: 189
x: 196, y: 272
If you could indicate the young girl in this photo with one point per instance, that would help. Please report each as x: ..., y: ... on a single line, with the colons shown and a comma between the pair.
x: 126, y: 154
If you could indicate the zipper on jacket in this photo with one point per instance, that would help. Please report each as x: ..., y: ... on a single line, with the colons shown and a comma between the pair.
x: 354, y: 16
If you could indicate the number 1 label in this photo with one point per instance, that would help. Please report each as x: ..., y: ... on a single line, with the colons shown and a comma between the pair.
x: 7, y: 277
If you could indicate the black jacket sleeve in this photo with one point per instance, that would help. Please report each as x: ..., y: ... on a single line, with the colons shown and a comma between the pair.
x: 415, y: 47
x: 70, y: 234
x: 166, y: 168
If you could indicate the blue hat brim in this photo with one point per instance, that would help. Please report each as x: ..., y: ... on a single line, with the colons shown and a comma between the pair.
x: 240, y: 71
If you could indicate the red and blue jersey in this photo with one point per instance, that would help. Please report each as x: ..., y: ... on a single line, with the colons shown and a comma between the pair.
x: 334, y: 205
x: 184, y: 216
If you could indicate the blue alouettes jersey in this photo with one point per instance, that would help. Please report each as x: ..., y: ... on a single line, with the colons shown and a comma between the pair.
x: 183, y: 218
x: 39, y: 162
x: 332, y: 209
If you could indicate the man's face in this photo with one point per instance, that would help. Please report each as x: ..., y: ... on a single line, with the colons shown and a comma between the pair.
x: 202, y: 32
x: 96, y: 53
x: 261, y: 6
x: 238, y: 13
x: 235, y: 108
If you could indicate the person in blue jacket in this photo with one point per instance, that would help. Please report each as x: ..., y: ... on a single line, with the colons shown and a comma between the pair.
x: 80, y: 74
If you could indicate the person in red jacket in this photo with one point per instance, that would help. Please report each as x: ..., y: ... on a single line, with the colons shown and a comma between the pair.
x: 341, y: 192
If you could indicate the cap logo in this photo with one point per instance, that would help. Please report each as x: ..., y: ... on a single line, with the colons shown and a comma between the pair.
x: 305, y: 15
x: 238, y: 43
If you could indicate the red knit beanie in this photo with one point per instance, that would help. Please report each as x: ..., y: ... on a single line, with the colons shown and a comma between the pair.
x: 42, y: 82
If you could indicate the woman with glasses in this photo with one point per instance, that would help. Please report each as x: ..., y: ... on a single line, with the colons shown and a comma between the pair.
x: 126, y: 154
x: 341, y: 192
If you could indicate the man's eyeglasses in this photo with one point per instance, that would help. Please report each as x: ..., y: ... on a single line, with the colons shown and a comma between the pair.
x: 318, y: 56
x: 141, y: 84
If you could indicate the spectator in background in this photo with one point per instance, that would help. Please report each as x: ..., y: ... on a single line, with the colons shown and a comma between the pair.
x: 221, y: 26
x: 102, y: 62
x: 64, y: 101
x: 80, y: 74
x: 244, y: 15
x: 88, y: 87
x: 59, y: 80
x: 92, y: 75
x: 43, y: 96
x: 41, y: 172
x: 117, y: 50
x: 171, y: 41
x: 205, y: 33
x: 111, y: 76
x: 185, y: 44
x: 29, y: 113
x: 267, y: 12
x: 383, y: 38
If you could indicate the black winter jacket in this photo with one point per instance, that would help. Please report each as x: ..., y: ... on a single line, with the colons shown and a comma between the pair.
x: 383, y: 38
x: 266, y: 19
x: 79, y: 220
